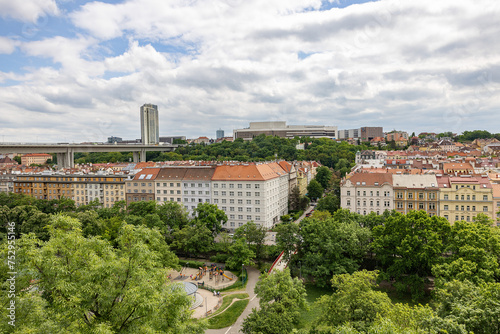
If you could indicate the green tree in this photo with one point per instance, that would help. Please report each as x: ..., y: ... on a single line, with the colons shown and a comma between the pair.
x: 240, y: 254
x: 287, y: 238
x: 90, y: 287
x: 255, y: 236
x: 211, y: 216
x: 314, y: 190
x: 475, y: 306
x: 281, y: 298
x: 330, y: 247
x: 323, y: 176
x: 294, y: 199
x: 354, y: 301
x: 173, y: 215
x: 142, y: 208
x: 408, y: 246
x: 330, y: 203
x: 474, y: 250
x: 193, y: 240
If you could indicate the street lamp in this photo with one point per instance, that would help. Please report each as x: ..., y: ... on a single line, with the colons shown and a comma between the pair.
x: 242, y: 269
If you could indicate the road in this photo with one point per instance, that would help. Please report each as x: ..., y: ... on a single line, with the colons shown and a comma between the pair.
x: 253, y: 277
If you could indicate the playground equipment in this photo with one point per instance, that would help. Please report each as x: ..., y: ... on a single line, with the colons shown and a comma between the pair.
x: 227, y: 276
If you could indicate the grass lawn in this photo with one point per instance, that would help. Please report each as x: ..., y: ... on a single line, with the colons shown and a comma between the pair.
x: 228, y: 299
x: 308, y: 316
x: 229, y: 316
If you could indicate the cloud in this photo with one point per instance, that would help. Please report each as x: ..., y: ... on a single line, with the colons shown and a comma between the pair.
x: 415, y: 66
x: 27, y: 10
x: 7, y: 46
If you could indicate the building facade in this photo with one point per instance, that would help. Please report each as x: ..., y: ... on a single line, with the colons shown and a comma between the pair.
x: 367, y: 192
x: 150, y: 130
x: 416, y: 192
x: 35, y: 158
x: 280, y: 129
x: 142, y: 187
x: 463, y: 197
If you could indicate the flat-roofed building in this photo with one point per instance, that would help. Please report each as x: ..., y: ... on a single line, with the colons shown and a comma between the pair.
x: 280, y: 129
x: 416, y: 192
x: 367, y: 192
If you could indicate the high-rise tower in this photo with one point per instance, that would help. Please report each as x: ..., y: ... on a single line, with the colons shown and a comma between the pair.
x: 150, y: 131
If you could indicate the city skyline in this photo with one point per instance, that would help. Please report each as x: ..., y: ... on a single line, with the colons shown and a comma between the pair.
x: 77, y: 73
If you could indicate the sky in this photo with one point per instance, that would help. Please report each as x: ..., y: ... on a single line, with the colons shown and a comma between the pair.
x: 79, y: 71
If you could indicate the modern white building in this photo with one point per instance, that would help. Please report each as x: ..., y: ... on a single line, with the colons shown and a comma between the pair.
x: 251, y: 192
x: 150, y: 130
x: 280, y: 129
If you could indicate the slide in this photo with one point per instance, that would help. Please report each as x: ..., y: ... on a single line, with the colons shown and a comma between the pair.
x: 227, y: 277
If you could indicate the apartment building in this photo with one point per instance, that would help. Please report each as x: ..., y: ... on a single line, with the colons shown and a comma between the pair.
x: 169, y: 184
x: 197, y: 186
x: 7, y: 182
x: 463, y: 197
x: 250, y: 192
x: 35, y: 158
x: 82, y: 188
x: 142, y: 187
x: 367, y: 192
x: 496, y: 201
x: 416, y: 192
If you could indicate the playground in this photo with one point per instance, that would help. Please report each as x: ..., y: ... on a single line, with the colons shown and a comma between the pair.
x: 208, y: 277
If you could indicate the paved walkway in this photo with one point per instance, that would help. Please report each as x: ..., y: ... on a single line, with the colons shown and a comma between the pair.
x: 253, y: 277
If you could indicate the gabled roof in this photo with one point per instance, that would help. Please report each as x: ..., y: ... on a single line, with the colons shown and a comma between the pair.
x: 245, y: 172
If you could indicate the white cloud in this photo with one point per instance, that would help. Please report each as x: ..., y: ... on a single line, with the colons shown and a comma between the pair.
x: 27, y: 10
x: 7, y: 45
x: 422, y: 65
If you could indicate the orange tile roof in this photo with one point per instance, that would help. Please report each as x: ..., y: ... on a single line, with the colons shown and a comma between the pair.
x: 250, y: 172
x: 147, y: 171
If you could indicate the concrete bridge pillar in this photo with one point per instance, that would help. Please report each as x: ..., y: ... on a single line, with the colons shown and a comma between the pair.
x: 143, y: 155
x: 136, y: 156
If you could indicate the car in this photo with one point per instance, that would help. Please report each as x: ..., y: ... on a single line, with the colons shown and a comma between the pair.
x: 231, y: 235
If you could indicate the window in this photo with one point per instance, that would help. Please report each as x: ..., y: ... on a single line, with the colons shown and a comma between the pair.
x: 485, y: 197
x: 257, y: 194
x: 456, y: 207
x: 348, y: 193
x: 223, y: 201
x: 257, y: 217
x: 348, y: 202
x: 231, y: 216
x: 240, y: 216
x: 240, y: 186
x: 249, y: 201
x: 364, y: 203
x: 400, y: 195
x: 485, y: 209
x: 224, y: 208
x: 420, y: 195
x: 231, y: 185
x: 446, y: 207
x: 249, y: 217
x: 240, y: 209
x: 371, y: 203
x: 249, y: 194
x: 240, y: 193
x: 257, y: 209
x: 446, y: 217
x: 249, y: 209
x: 462, y: 197
x: 223, y: 185
x: 421, y: 206
x: 231, y: 208
x: 216, y: 193
x: 410, y: 195
x: 462, y: 208
x: 473, y: 197
x: 231, y: 193
x: 456, y: 197
x: 215, y: 201
x: 410, y: 205
x: 240, y: 201
x: 446, y: 196
x: 257, y: 202
x: 257, y: 186
x: 400, y: 205
x: 364, y: 192
x: 216, y: 185
x: 249, y: 186
x: 468, y: 197
x: 223, y: 193
x: 473, y: 208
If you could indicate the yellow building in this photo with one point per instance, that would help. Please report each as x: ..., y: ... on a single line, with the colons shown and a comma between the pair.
x: 416, y: 192
x: 463, y: 197
x: 107, y: 189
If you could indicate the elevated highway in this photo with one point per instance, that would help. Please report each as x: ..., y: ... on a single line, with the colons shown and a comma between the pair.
x: 65, y: 152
